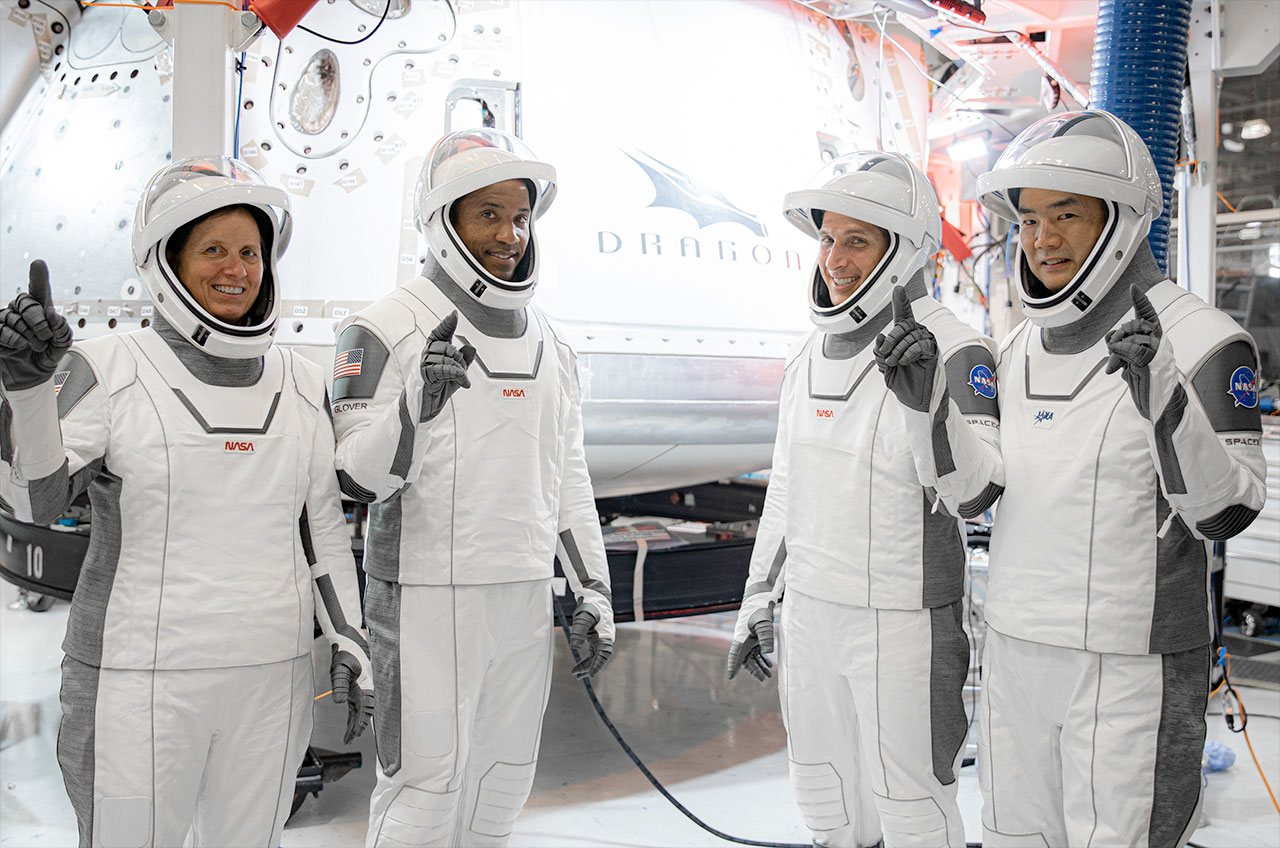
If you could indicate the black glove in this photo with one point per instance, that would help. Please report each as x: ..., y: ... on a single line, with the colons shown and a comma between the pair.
x: 1133, y: 346
x: 908, y: 356
x: 444, y: 367
x: 593, y: 650
x: 33, y: 337
x: 345, y: 673
x: 750, y: 652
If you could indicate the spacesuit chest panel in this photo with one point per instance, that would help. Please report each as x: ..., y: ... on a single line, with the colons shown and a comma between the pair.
x: 231, y: 465
x: 490, y: 485
x: 854, y: 498
x: 1075, y: 528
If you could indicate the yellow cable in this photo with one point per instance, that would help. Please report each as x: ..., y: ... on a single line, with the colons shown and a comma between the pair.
x: 318, y: 697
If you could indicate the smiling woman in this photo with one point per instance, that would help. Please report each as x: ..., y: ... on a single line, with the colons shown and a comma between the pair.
x: 203, y: 396
x: 218, y: 258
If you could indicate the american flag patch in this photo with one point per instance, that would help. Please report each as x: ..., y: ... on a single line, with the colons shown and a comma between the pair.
x: 347, y: 363
x: 58, y: 379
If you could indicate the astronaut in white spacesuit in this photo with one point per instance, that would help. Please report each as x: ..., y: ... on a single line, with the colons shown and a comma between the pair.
x: 207, y: 454
x: 475, y: 470
x: 1096, y: 663
x: 872, y: 657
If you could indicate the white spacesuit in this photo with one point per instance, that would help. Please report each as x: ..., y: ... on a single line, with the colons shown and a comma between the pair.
x: 207, y: 454
x: 872, y: 655
x: 1096, y: 666
x: 473, y: 495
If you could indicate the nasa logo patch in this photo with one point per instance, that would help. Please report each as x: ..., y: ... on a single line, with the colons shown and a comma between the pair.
x: 983, y: 381
x: 1244, y: 387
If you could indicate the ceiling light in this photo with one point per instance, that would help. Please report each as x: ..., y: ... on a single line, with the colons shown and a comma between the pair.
x: 1232, y: 146
x: 1255, y: 128
x: 973, y: 147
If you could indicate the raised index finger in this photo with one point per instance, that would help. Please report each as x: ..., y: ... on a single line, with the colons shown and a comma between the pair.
x: 901, y: 306
x: 445, y: 329
x: 1142, y: 307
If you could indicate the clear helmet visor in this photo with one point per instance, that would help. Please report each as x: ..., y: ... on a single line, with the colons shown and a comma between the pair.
x: 882, y: 188
x: 184, y: 181
x: 1074, y: 125
x: 465, y: 161
x: 1090, y: 152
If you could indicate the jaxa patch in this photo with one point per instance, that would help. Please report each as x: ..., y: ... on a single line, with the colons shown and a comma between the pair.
x: 1244, y: 387
x: 1043, y: 419
x: 983, y: 382
x: 58, y: 380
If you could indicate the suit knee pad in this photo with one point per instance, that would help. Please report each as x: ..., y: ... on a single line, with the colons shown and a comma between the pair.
x: 1000, y: 839
x: 418, y: 817
x: 500, y: 798
x: 917, y: 823
x: 124, y: 822
x: 819, y: 794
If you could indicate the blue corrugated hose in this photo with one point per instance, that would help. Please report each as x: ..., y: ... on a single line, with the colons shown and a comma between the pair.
x: 1139, y: 66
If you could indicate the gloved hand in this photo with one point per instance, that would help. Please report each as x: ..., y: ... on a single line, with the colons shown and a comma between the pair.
x: 33, y: 337
x: 351, y: 669
x: 908, y: 356
x: 1133, y: 346
x: 444, y: 367
x: 593, y: 650
x: 750, y: 652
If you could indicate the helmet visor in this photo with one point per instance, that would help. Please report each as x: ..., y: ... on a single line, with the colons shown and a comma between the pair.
x: 192, y: 172
x: 1021, y: 151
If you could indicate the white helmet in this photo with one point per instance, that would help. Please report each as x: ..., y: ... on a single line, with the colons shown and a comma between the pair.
x: 884, y: 189
x: 181, y: 193
x: 1091, y: 153
x: 466, y: 161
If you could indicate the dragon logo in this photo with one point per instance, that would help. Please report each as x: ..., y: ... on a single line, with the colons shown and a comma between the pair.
x: 676, y: 190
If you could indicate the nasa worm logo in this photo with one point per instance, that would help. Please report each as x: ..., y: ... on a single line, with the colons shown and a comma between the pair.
x: 1244, y: 387
x: 983, y: 381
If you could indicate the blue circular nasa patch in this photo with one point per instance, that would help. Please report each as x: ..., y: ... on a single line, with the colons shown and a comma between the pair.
x: 983, y: 381
x: 1244, y: 387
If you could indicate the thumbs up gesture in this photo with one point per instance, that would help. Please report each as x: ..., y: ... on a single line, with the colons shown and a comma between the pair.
x: 1133, y: 346
x: 444, y: 367
x: 907, y: 356
x: 33, y: 337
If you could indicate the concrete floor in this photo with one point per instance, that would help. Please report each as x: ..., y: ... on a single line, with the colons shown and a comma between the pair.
x: 718, y: 745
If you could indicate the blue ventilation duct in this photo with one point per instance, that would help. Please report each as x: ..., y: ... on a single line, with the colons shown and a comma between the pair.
x: 1139, y: 66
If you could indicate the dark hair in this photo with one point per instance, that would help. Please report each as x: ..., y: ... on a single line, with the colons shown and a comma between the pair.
x: 182, y: 235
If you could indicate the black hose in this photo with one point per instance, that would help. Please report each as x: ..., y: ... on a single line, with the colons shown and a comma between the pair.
x: 595, y: 702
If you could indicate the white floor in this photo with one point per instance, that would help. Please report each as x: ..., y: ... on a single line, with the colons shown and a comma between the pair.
x: 718, y: 746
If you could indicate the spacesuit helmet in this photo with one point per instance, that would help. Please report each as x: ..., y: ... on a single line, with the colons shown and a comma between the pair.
x: 1091, y: 153
x: 467, y: 161
x: 188, y: 190
x: 883, y: 189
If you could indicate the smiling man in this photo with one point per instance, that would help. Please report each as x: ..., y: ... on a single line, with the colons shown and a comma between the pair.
x: 1058, y: 232
x: 872, y: 657
x: 474, y: 494
x: 1129, y: 442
